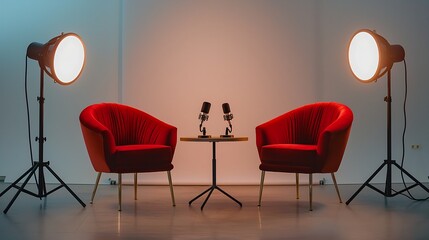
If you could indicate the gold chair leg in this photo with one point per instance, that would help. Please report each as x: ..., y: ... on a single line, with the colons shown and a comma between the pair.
x: 310, y: 189
x: 120, y: 191
x: 171, y: 188
x: 135, y: 186
x: 95, y: 187
x: 261, y: 187
x: 297, y: 185
x: 336, y: 187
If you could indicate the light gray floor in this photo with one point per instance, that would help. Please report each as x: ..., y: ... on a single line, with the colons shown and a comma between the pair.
x: 281, y: 216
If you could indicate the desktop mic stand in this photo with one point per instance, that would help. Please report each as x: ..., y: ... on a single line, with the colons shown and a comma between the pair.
x: 228, y: 130
x: 203, y: 129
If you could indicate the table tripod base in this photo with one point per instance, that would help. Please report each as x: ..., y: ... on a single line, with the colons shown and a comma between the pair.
x: 210, y: 191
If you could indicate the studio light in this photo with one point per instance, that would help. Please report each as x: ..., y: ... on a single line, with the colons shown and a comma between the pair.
x: 371, y: 57
x: 227, y: 116
x: 63, y: 59
x: 204, y: 116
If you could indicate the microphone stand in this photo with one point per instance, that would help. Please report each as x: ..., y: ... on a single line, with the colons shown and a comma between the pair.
x: 203, y: 129
x: 228, y: 130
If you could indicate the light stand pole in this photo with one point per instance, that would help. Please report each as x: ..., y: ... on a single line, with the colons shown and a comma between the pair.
x: 370, y: 57
x: 388, y: 162
x: 40, y: 165
x: 63, y: 59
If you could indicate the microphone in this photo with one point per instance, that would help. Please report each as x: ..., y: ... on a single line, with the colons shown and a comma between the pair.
x: 227, y: 112
x: 205, y: 108
x: 227, y: 116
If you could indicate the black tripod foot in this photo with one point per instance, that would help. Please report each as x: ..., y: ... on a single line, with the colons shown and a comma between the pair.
x: 41, y: 185
x: 210, y: 190
x: 388, y: 188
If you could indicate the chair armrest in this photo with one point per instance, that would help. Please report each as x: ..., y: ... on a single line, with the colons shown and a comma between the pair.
x: 332, y: 142
x: 88, y: 121
x: 171, y: 137
x: 277, y: 130
x: 98, y: 149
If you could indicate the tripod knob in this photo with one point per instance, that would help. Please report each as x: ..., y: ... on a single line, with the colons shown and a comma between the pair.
x: 37, y: 139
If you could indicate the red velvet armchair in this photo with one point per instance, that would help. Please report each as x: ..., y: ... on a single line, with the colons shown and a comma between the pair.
x: 310, y: 139
x: 121, y: 139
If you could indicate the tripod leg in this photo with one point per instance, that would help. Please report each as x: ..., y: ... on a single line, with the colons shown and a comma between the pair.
x: 235, y: 200
x: 199, y: 195
x: 207, y: 198
x: 33, y: 169
x: 65, y: 185
x: 411, y: 176
x: 366, y: 183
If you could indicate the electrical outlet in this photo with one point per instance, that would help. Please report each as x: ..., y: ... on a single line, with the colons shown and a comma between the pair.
x: 112, y: 181
x: 415, y: 146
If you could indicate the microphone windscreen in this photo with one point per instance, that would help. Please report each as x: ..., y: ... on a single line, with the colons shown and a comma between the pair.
x: 226, y: 108
x: 206, y: 107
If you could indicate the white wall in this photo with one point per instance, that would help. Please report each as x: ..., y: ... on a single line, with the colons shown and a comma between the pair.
x: 248, y: 53
x: 167, y: 57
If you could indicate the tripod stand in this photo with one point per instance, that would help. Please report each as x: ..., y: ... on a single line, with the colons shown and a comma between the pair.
x: 389, y: 163
x: 38, y: 166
